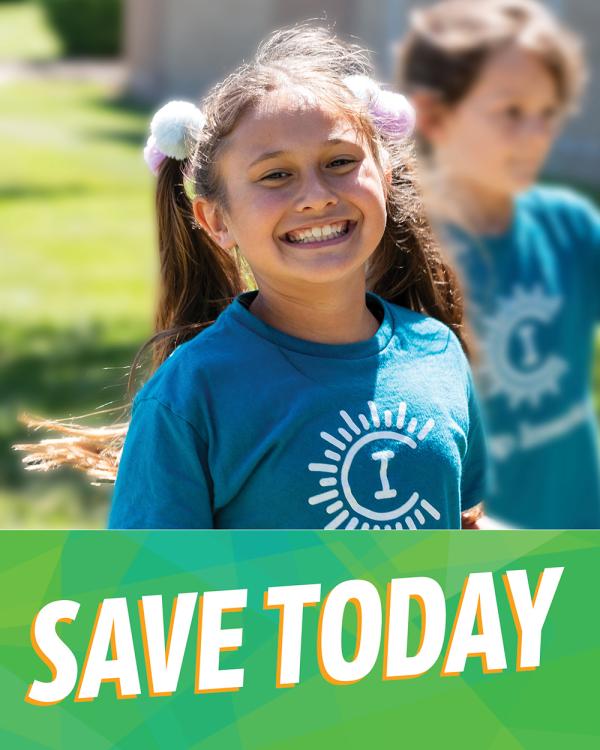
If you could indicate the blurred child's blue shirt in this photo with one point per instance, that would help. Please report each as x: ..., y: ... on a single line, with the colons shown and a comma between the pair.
x: 534, y: 300
x: 247, y: 427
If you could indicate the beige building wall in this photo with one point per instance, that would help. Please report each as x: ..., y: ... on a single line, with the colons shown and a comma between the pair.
x: 577, y: 153
x: 179, y: 48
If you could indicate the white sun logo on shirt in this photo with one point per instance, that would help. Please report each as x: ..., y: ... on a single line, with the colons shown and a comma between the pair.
x: 513, y: 364
x: 354, y: 438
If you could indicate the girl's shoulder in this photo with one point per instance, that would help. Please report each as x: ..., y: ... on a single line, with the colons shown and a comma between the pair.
x: 186, y: 374
x: 423, y: 338
x: 555, y: 203
x: 423, y: 333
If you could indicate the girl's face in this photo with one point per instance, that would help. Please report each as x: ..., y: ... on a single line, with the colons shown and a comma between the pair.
x: 305, y: 196
x: 499, y: 135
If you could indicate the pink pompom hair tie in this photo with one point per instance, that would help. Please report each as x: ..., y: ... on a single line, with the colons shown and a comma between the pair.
x: 392, y: 113
x: 153, y: 156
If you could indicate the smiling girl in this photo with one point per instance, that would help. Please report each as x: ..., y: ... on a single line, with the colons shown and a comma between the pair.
x: 336, y: 394
x: 492, y: 82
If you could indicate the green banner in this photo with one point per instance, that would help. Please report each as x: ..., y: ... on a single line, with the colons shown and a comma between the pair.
x: 283, y: 639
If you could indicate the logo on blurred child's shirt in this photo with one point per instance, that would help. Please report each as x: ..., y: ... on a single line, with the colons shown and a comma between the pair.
x: 517, y: 341
x: 363, y: 465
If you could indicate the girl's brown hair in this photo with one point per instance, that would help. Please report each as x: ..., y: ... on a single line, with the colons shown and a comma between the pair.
x: 198, y: 279
x: 448, y: 44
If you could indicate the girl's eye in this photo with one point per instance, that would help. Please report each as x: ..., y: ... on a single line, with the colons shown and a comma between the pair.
x: 514, y: 113
x: 278, y: 175
x: 272, y: 176
x: 342, y: 161
x: 550, y: 114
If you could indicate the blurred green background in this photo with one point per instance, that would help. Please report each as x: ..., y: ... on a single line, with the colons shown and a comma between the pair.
x: 78, y: 265
x: 78, y: 256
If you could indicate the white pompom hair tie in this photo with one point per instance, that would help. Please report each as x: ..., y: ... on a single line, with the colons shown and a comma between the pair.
x: 173, y: 131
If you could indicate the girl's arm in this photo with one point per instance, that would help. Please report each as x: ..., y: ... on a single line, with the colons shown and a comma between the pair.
x: 475, y: 466
x: 475, y: 518
x: 591, y: 243
x: 469, y: 519
x: 163, y: 479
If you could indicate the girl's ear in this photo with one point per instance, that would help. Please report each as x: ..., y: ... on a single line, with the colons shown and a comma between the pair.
x: 211, y: 218
x: 431, y: 115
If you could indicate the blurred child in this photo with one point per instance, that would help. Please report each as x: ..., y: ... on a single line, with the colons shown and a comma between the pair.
x: 310, y: 402
x: 492, y: 82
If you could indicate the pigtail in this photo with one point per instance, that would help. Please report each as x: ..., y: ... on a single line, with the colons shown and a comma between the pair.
x: 409, y: 269
x: 198, y: 279
x: 93, y: 450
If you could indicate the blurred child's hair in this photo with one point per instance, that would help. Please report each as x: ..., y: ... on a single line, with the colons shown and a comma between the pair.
x: 449, y: 43
x: 198, y: 279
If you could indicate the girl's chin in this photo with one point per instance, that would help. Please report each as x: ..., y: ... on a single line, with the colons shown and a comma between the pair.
x: 521, y: 180
x: 323, y: 270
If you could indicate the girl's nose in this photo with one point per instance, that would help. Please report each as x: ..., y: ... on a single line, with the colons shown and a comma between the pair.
x: 315, y: 194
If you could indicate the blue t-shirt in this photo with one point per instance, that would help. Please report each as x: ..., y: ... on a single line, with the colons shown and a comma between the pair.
x: 534, y: 299
x: 245, y: 426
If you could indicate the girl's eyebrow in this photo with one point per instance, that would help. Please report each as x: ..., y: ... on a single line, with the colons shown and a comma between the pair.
x: 267, y: 155
x: 510, y: 93
x: 274, y: 154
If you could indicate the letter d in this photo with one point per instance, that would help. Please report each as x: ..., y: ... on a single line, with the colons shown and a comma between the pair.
x: 430, y: 597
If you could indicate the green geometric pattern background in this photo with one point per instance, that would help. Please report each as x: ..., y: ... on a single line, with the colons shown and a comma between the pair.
x: 555, y: 706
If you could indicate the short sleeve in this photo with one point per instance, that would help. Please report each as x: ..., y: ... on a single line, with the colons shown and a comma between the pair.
x: 579, y: 219
x: 163, y: 479
x: 589, y: 228
x: 475, y: 468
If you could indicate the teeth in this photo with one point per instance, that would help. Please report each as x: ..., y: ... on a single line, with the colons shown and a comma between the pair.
x: 328, y: 231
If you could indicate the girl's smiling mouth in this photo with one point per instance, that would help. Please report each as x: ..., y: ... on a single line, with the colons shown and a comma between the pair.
x: 320, y: 235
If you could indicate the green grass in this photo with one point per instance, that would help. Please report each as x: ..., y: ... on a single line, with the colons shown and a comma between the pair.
x: 24, y: 33
x: 78, y: 271
x: 76, y: 219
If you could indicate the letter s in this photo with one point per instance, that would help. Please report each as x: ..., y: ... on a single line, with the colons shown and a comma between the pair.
x: 54, y: 653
